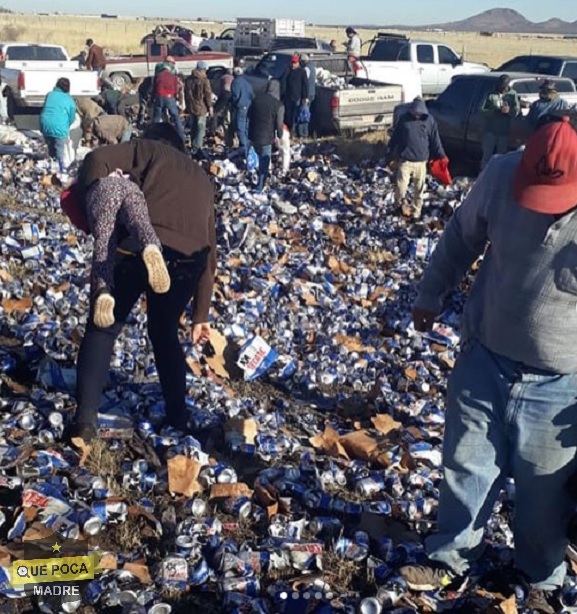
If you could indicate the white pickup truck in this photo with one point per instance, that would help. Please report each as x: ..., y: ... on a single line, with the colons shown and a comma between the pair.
x: 436, y: 63
x: 29, y: 72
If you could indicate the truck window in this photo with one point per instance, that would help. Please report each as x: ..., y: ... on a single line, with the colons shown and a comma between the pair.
x: 447, y: 55
x: 459, y: 95
x: 531, y: 86
x: 520, y: 64
x: 155, y: 50
x: 387, y: 49
x: 548, y: 66
x: 570, y: 70
x: 227, y: 35
x: 425, y: 54
x: 179, y: 50
x: 405, y: 54
x: 273, y: 65
x: 30, y: 53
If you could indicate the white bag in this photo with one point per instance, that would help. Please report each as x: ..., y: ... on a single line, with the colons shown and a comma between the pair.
x: 285, y: 150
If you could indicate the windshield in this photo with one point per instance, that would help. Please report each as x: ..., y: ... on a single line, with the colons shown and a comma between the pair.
x: 273, y: 65
x: 387, y: 49
x: 35, y: 53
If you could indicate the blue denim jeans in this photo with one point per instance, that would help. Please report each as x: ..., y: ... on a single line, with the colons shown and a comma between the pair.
x: 264, y: 155
x: 504, y: 419
x: 198, y: 126
x: 164, y: 102
x: 240, y: 122
x: 56, y: 148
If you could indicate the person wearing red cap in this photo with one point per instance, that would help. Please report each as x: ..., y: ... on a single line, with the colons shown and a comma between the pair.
x: 295, y: 87
x: 512, y: 396
x: 166, y: 91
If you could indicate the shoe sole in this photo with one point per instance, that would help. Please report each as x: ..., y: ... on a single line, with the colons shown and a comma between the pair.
x: 104, y: 311
x: 158, y: 277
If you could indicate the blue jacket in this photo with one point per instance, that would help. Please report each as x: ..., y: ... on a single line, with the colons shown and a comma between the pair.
x: 242, y: 92
x: 58, y: 114
x: 540, y: 108
x: 415, y: 140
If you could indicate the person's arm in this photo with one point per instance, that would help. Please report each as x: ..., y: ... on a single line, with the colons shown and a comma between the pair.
x: 489, y: 104
x: 103, y: 161
x: 235, y: 92
x: 203, y: 296
x: 280, y: 121
x: 208, y: 96
x: 435, y: 144
x: 304, y: 87
x: 71, y: 111
x: 394, y: 143
x: 463, y: 241
x: 90, y: 58
x: 514, y: 104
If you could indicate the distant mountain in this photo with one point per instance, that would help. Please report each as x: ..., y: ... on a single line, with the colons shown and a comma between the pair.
x: 507, y: 20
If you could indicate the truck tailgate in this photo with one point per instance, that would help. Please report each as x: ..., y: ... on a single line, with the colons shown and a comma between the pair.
x: 377, y: 100
x: 41, y: 65
x: 37, y: 83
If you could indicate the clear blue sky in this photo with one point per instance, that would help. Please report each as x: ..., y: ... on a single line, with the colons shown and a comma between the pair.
x: 411, y: 12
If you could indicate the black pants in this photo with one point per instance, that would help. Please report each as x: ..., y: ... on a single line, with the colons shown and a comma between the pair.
x: 164, y: 311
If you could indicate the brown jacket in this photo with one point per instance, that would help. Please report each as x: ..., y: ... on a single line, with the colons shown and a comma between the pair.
x: 88, y: 111
x: 197, y: 94
x: 180, y: 200
x: 96, y: 59
x: 110, y: 128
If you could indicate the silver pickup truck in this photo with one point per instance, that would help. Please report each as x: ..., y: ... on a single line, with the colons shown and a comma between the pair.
x: 350, y: 105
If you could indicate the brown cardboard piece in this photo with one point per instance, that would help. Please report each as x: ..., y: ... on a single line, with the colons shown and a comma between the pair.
x: 183, y: 476
x: 229, y: 491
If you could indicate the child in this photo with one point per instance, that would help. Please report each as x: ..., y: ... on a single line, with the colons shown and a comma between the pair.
x: 285, y: 150
x: 116, y: 199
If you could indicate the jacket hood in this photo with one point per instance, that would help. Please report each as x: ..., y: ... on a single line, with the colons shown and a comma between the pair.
x: 273, y: 88
x: 419, y: 106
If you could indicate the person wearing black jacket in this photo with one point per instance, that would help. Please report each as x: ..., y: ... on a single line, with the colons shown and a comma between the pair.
x: 415, y: 141
x: 295, y: 92
x: 266, y: 119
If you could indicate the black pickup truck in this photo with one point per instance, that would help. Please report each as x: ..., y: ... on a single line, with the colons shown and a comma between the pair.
x: 552, y: 65
x: 458, y: 110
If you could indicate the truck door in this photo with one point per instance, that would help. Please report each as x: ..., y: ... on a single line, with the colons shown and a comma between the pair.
x: 448, y: 61
x: 425, y: 55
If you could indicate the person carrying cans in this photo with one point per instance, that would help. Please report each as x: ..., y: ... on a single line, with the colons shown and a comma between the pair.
x: 499, y: 109
x: 180, y: 201
x: 415, y: 141
x: 512, y: 396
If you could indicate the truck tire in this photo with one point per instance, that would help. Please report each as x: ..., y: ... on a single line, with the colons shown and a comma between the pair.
x: 205, y: 48
x: 11, y: 105
x: 120, y: 79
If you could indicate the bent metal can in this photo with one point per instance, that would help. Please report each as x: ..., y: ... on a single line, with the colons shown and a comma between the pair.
x: 239, y: 507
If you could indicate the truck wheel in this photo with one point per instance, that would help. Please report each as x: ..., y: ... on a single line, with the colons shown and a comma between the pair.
x: 205, y: 48
x: 11, y: 106
x: 120, y: 79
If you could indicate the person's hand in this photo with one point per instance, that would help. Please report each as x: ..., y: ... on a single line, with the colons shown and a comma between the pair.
x: 505, y: 108
x: 423, y: 319
x: 200, y: 333
x: 393, y: 165
x: 211, y: 112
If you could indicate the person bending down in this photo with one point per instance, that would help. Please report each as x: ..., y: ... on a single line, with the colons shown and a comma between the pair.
x: 110, y: 201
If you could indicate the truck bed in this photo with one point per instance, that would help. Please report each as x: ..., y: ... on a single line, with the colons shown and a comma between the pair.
x: 365, y: 106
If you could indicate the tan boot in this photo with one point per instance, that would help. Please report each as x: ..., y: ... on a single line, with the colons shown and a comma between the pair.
x: 104, y: 310
x: 158, y: 277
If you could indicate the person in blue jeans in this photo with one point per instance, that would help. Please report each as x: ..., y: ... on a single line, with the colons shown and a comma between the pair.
x: 242, y: 95
x: 512, y: 396
x: 56, y: 118
x: 265, y: 126
x: 166, y: 91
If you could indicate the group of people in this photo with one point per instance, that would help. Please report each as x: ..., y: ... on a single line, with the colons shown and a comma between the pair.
x: 503, y: 105
x: 512, y: 395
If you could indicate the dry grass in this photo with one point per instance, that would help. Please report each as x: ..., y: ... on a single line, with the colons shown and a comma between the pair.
x: 368, y: 146
x: 106, y: 463
x: 123, y: 36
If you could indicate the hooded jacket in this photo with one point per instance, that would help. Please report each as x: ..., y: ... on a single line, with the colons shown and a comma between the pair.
x: 242, y: 93
x: 58, y: 114
x: 311, y: 71
x: 88, y: 110
x: 296, y: 85
x: 197, y: 93
x: 416, y: 140
x: 166, y: 84
x: 266, y: 116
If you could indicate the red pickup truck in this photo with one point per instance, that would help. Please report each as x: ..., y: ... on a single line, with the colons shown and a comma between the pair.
x: 126, y: 69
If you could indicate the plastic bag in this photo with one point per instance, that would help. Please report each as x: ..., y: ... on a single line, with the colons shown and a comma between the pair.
x: 439, y: 168
x: 304, y: 116
x: 71, y: 203
x: 252, y: 160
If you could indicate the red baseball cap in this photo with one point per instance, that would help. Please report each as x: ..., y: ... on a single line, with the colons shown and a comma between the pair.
x: 295, y: 59
x: 546, y: 179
